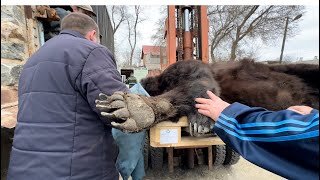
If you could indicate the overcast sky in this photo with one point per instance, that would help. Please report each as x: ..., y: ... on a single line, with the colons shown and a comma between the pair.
x: 305, y: 44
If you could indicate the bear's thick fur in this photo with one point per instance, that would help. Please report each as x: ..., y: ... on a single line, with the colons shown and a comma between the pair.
x: 274, y: 87
x: 173, y: 92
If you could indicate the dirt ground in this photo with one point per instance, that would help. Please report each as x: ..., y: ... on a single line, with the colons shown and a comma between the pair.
x: 241, y: 171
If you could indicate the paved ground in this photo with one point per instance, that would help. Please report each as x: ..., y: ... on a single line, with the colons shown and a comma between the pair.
x: 243, y: 170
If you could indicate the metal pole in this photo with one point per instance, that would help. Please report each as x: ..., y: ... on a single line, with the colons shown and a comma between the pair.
x: 186, y: 20
x: 284, y: 38
x: 187, y: 37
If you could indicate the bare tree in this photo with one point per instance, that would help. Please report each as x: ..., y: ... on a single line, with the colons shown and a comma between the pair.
x: 233, y: 24
x: 118, y: 15
x: 233, y: 29
x: 288, y: 59
x: 264, y: 22
x: 132, y: 23
x: 125, y: 20
x: 222, y: 19
x: 247, y: 24
x: 158, y: 37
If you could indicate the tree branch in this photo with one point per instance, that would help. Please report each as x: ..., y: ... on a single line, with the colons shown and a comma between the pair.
x: 251, y: 26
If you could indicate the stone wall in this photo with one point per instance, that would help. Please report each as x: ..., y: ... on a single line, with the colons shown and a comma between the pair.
x: 14, y: 52
x: 14, y: 47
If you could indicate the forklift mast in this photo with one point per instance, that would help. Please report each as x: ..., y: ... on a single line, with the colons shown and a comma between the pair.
x: 186, y: 33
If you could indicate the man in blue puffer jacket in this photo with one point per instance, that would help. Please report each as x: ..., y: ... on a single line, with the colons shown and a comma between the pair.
x: 60, y: 134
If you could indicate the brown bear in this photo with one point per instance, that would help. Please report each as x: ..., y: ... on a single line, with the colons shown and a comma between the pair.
x: 273, y: 87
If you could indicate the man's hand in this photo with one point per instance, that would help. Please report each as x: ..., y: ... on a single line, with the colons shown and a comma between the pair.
x: 211, y: 107
x: 128, y: 112
x: 301, y: 109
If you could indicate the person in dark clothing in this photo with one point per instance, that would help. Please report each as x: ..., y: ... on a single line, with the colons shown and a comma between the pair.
x: 53, y: 28
x: 60, y: 134
x: 284, y: 142
x: 130, y: 160
x: 85, y: 9
x: 131, y: 80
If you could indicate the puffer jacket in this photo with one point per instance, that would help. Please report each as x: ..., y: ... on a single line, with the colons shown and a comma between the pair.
x: 60, y: 134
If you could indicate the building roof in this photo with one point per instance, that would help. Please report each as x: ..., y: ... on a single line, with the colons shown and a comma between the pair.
x: 153, y: 50
x: 315, y: 61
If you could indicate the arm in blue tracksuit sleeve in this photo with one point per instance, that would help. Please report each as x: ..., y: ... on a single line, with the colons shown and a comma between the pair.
x: 283, y: 142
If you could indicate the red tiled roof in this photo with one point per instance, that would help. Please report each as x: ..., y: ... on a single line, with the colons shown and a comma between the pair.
x: 154, y: 50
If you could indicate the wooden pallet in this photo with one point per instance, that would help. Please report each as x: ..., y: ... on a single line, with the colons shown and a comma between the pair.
x: 167, y: 135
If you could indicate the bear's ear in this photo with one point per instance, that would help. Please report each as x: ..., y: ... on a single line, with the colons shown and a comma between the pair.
x: 151, y: 85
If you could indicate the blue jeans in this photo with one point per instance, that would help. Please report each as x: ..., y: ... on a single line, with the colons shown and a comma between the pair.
x: 130, y: 160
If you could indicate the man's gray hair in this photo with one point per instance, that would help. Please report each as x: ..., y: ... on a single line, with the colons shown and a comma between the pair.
x: 79, y: 22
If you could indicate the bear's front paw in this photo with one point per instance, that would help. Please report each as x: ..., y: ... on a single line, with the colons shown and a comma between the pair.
x: 199, y: 125
x: 128, y: 112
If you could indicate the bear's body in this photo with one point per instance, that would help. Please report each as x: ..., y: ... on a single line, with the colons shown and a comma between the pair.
x: 274, y: 87
x: 173, y: 92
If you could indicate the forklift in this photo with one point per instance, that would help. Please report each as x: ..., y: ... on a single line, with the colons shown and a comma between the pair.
x: 186, y: 34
